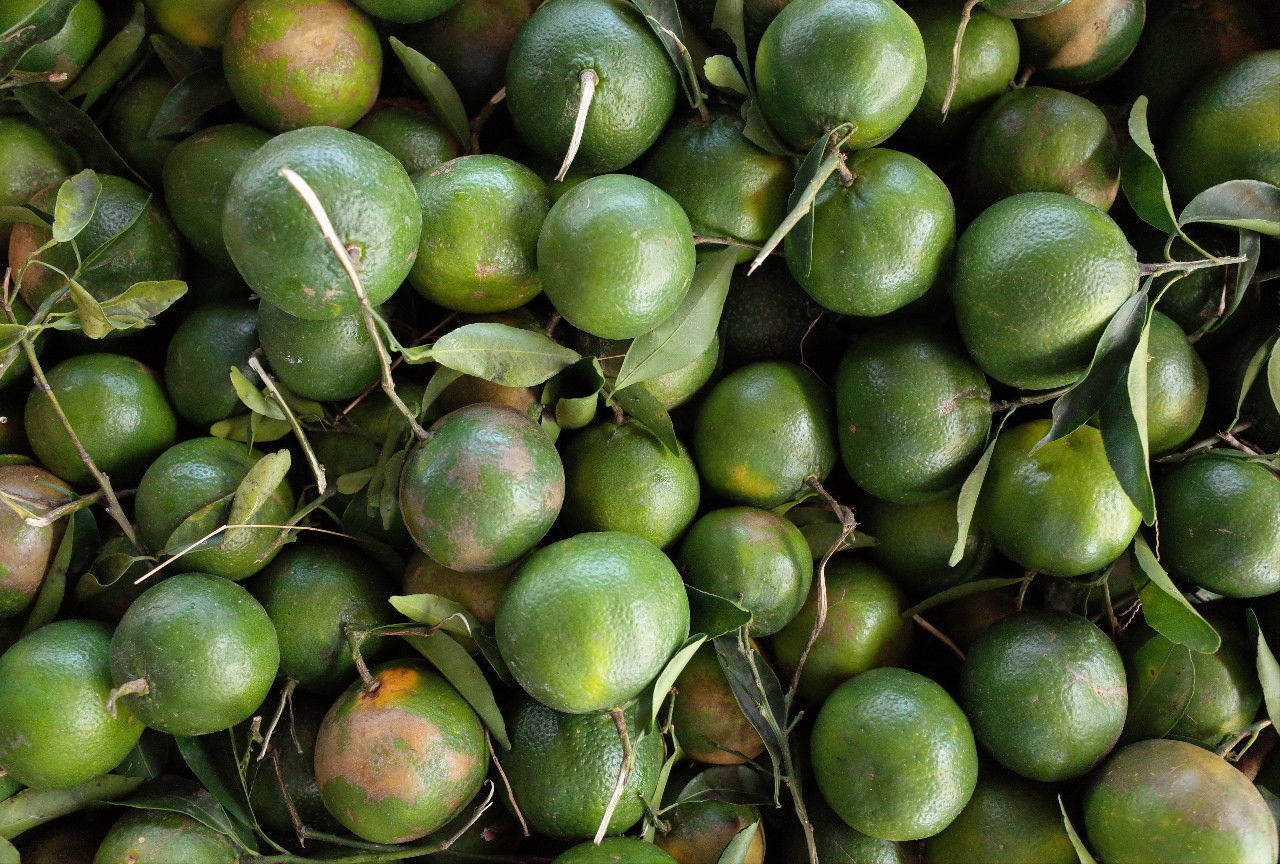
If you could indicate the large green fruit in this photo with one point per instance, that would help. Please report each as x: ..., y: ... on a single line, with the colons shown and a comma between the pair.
x: 1009, y: 820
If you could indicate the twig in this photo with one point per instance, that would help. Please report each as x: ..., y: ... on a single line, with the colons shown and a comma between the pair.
x: 624, y: 771
x: 51, y: 516
x: 506, y: 784
x: 285, y: 695
x: 1035, y: 399
x: 1188, y: 266
x: 322, y: 484
x: 299, y: 829
x: 939, y: 635
x: 965, y: 14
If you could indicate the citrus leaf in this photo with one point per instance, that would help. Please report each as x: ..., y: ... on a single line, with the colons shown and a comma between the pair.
x: 89, y: 315
x: 38, y: 25
x: 189, y: 100
x: 77, y: 200
x: 196, y: 528
x: 180, y: 59
x: 639, y: 403
x: 12, y: 215
x: 663, y: 18
x: 258, y: 487
x: 1250, y: 249
x: 964, y: 589
x: 113, y: 62
x: 353, y: 481
x: 436, y: 611
x: 659, y: 791
x: 54, y: 588
x: 1252, y: 370
x: 1164, y: 607
x: 11, y: 335
x: 94, y: 255
x: 65, y: 122
x: 688, y: 332
x: 1173, y: 681
x: 1141, y: 177
x: 734, y: 784
x: 1112, y: 360
x: 722, y: 72
x: 1268, y: 671
x: 758, y: 694
x: 740, y: 846
x: 253, y: 398
x: 193, y: 753
x: 1248, y: 204
x: 728, y: 18
x: 141, y: 302
x: 575, y: 393
x: 455, y: 664
x: 1273, y: 376
x: 439, y: 91
x: 1123, y: 423
x: 757, y: 130
x: 31, y: 807
x: 970, y: 491
x: 180, y: 795
x: 818, y: 166
x: 9, y: 853
x: 1082, y: 851
x: 440, y: 381
x: 248, y: 428
x: 510, y: 356
x: 653, y: 697
x: 714, y: 615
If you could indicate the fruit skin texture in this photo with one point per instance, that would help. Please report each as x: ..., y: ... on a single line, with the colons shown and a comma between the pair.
x: 481, y: 216
x: 634, y: 96
x: 894, y: 755
x: 1023, y: 8
x: 1220, y: 525
x: 117, y: 407
x: 210, y: 340
x: 1059, y: 510
x: 753, y: 557
x: 411, y: 134
x: 762, y: 431
x: 864, y: 629
x: 822, y: 63
x: 880, y: 240
x: 405, y: 11
x: 206, y: 648
x: 27, y: 551
x: 55, y: 729
x: 915, y: 542
x: 1177, y: 386
x: 323, y: 360
x: 709, y: 723
x: 162, y: 837
x: 615, y: 254
x: 563, y: 768
x: 202, y: 24
x: 619, y: 478
x: 1082, y: 42
x: 276, y: 244
x: 1038, y: 276
x: 616, y: 607
x: 615, y: 850
x: 1226, y: 128
x: 1163, y: 802
x: 1009, y: 820
x: 1038, y: 139
x: 912, y: 410
x: 297, y: 63
x: 483, y: 489
x: 1046, y: 694
x: 397, y: 762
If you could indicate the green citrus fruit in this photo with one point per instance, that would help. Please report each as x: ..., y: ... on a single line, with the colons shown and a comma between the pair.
x: 480, y: 221
x: 880, y: 237
x: 730, y: 188
x: 118, y: 409
x: 127, y: 126
x: 313, y: 592
x: 405, y: 11
x: 398, y: 760
x: 563, y: 768
x: 162, y: 837
x: 894, y: 755
x: 69, y: 49
x: 204, y: 647
x: 326, y: 360
x: 27, y: 551
x: 293, y: 748
x: 767, y: 316
x: 1082, y: 42
x: 1177, y: 386
x: 478, y: 593
x: 634, y: 94
x: 29, y: 161
x: 1038, y: 276
x: 410, y: 133
x: 864, y: 629
x: 1009, y: 820
x: 709, y: 723
x: 1059, y: 510
x: 1225, y: 128
x: 588, y: 622
x: 56, y: 730
x: 913, y: 412
x: 14, y: 364
x: 274, y: 239
x: 1220, y: 525
x: 200, y: 24
x: 192, y: 486
x: 1046, y: 694
x: 989, y: 56
x: 297, y: 63
x: 762, y: 431
x: 838, y: 843
x: 753, y: 557
x: 822, y: 63
x: 619, y: 478
x: 483, y: 489
x: 471, y: 42
x: 700, y: 831
x: 615, y: 850
x: 616, y: 254
x: 196, y: 177
x: 208, y: 342
x: 914, y: 543
x: 1042, y: 140
x: 1160, y: 802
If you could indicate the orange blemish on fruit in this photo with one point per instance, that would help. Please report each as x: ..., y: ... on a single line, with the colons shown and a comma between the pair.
x: 392, y: 683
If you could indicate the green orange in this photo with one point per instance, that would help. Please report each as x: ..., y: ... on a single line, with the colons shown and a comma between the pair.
x: 709, y: 723
x: 410, y: 133
x: 208, y: 342
x: 68, y: 50
x: 163, y: 836
x: 326, y: 360
x: 31, y: 160
x: 128, y: 125
x: 914, y: 543
x: 405, y: 11
x: 1177, y: 386
x: 1082, y: 42
x: 470, y: 42
x: 615, y: 850
x: 201, y: 24
x: 1009, y: 820
x: 700, y: 831
x: 27, y: 551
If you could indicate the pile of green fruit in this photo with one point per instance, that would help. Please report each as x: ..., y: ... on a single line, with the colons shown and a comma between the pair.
x: 649, y: 431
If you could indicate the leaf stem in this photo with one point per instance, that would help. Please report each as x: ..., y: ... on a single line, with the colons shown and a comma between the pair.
x: 1188, y: 266
x: 1035, y: 399
x: 483, y: 117
x: 268, y: 382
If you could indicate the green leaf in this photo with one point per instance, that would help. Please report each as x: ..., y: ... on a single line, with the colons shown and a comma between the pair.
x: 196, y: 528
x: 440, y: 381
x: 740, y: 846
x: 257, y: 488
x: 1141, y: 177
x: 12, y: 215
x: 141, y: 302
x: 653, y: 697
x: 1123, y: 423
x: 250, y: 428
x: 54, y: 588
x: 1251, y: 372
x: 757, y: 130
x: 758, y: 694
x: 253, y: 398
x: 9, y: 853
x: 353, y: 481
x: 575, y: 393
x: 77, y: 200
x: 113, y: 62
x: 11, y: 335
x: 197, y: 758
x: 138, y: 210
x: 38, y: 25
x: 510, y: 356
x: 970, y: 491
x: 722, y: 72
x: 65, y: 122
x: 964, y: 589
x: 461, y: 670
x: 818, y: 166
x: 1273, y: 376
x: 89, y: 315
x: 189, y: 100
x: 1173, y: 682
x: 728, y: 18
x: 1112, y: 360
x: 180, y: 59
x: 687, y: 333
x: 663, y: 18
x: 180, y: 795
x: 1268, y: 671
x: 734, y: 784
x: 639, y: 403
x: 1164, y: 607
x: 436, y: 611
x: 439, y: 91
x: 1250, y: 248
x: 714, y: 615
x: 32, y: 807
x: 1082, y: 851
x: 1248, y: 204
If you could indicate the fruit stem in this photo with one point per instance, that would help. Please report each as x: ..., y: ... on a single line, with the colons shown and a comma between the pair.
x: 286, y: 697
x: 588, y: 80
x: 51, y: 516
x: 356, y: 638
x: 483, y: 116
x: 136, y: 687
x: 1188, y: 266
x: 295, y: 818
x: 624, y: 771
x: 298, y: 432
x: 965, y: 14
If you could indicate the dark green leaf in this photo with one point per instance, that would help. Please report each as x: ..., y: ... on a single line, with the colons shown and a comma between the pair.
x: 1123, y: 423
x: 510, y: 356
x: 180, y: 795
x: 113, y: 62
x: 436, y: 611
x: 456, y: 664
x: 137, y: 305
x: 1273, y: 376
x: 758, y: 131
x: 1252, y: 370
x: 92, y: 320
x: 1141, y: 177
x: 757, y: 691
x: 964, y: 589
x: 970, y: 491
x: 1164, y: 607
x: 32, y: 807
x: 305, y: 410
x: 1250, y: 248
x: 54, y: 588
x: 11, y: 215
x: 740, y: 846
x: 196, y: 756
x: 713, y: 615
x: 1082, y: 851
x: 818, y: 166
x: 722, y: 72
x: 11, y: 335
x: 66, y: 122
x: 1173, y: 682
x: 353, y: 481
x: 440, y: 381
x: 735, y: 784
x: 180, y: 59
x: 36, y: 26
x: 197, y: 527
x: 1268, y: 671
x: 189, y: 100
x: 439, y: 91
x: 575, y: 393
x: 250, y: 428
x: 389, y: 496
x: 728, y: 18
x: 253, y: 398
x: 488, y: 644
x: 77, y: 200
x: 257, y: 488
x: 664, y: 20
x: 653, y: 697
x: 1112, y: 360
x: 686, y: 334
x: 1248, y: 204
x: 639, y: 403
x: 95, y: 255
